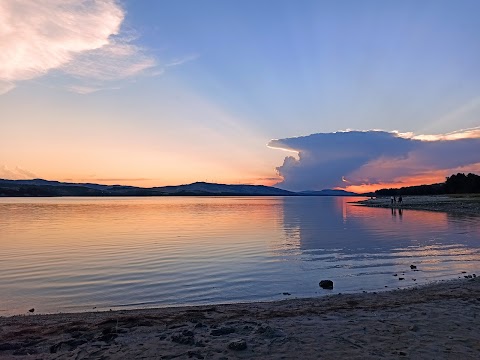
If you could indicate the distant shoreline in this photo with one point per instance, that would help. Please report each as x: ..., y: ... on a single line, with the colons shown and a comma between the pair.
x: 468, y: 204
x: 179, y: 195
x: 51, y: 188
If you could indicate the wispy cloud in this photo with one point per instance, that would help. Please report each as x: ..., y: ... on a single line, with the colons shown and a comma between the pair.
x: 5, y: 87
x: 81, y: 38
x: 86, y: 89
x: 82, y: 89
x: 328, y: 160
x: 115, y: 61
x: 104, y: 180
x: 115, y: 179
x: 181, y: 61
x: 15, y: 173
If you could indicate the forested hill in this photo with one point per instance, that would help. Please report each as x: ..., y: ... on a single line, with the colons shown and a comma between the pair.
x: 40, y: 187
x: 455, y: 184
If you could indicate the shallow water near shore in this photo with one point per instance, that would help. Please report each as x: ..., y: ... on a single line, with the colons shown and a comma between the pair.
x: 79, y: 254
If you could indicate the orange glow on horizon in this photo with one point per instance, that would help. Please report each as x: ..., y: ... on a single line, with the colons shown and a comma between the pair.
x: 148, y: 183
x: 414, y: 181
x: 432, y: 177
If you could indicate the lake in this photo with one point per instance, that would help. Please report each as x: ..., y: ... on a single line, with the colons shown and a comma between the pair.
x: 79, y: 254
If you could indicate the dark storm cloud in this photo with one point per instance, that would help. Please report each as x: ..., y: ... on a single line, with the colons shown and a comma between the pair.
x: 367, y: 157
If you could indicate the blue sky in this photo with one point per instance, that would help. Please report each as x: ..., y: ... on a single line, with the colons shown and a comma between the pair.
x: 159, y: 92
x: 314, y: 66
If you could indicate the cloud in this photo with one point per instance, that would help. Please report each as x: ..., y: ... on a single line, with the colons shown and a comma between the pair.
x: 5, y: 87
x: 181, y: 61
x: 83, y: 89
x: 15, y: 174
x: 462, y: 134
x: 115, y: 61
x: 107, y: 179
x: 80, y: 38
x: 86, y: 89
x: 328, y: 160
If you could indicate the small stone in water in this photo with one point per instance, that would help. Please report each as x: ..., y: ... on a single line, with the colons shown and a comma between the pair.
x: 326, y: 284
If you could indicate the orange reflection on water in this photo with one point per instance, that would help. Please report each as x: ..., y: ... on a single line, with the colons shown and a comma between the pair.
x: 81, y: 221
x: 136, y: 250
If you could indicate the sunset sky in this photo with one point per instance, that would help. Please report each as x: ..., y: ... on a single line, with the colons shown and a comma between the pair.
x: 302, y: 94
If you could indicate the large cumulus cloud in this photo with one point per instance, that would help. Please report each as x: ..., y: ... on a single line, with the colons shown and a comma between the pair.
x: 327, y: 160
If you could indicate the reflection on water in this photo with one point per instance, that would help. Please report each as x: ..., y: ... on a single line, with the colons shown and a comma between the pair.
x: 364, y: 247
x: 75, y: 254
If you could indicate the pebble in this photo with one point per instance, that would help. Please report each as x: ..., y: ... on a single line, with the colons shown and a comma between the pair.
x: 326, y: 284
x: 222, y: 331
x: 186, y: 337
x: 413, y: 328
x: 237, y: 344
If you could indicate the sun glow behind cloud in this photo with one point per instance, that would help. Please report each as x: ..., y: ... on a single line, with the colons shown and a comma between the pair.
x: 369, y: 160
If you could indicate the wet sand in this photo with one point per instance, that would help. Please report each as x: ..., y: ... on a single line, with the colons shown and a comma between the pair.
x: 436, y: 321
x: 455, y: 204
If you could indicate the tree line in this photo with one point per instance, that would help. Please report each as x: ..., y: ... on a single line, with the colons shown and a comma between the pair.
x: 455, y: 184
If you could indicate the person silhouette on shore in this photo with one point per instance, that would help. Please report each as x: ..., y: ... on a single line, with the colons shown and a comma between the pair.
x: 400, y: 199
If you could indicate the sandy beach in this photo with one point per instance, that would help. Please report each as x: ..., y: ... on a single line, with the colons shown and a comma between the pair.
x: 436, y: 321
x: 455, y: 204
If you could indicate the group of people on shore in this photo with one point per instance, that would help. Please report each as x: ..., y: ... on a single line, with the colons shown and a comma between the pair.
x: 394, y: 200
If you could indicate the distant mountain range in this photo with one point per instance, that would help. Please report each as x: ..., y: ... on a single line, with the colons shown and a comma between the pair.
x: 40, y: 187
x: 327, y: 192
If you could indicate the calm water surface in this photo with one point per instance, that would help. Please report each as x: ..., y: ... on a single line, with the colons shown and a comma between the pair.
x: 77, y: 254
